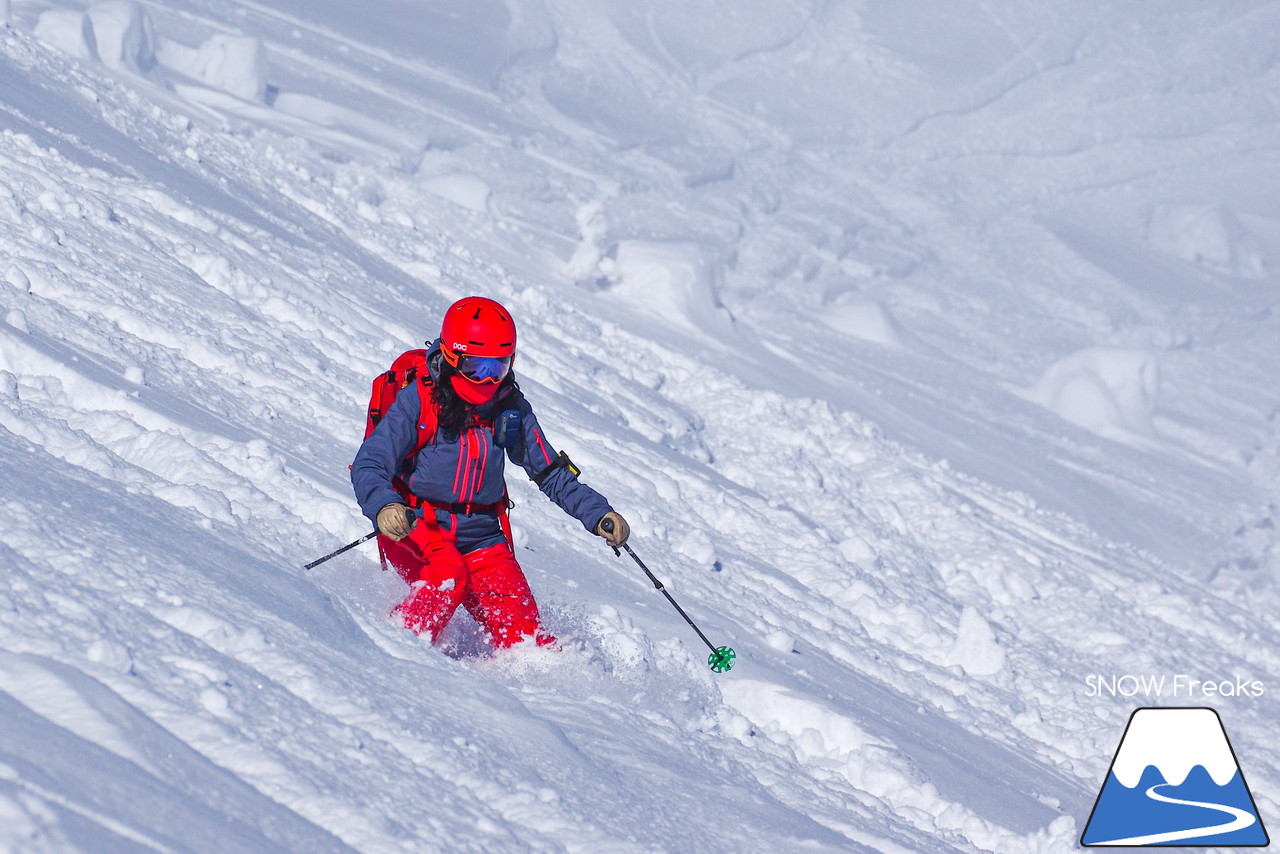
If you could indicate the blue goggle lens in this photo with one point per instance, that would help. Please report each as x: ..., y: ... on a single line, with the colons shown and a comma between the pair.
x: 484, y: 368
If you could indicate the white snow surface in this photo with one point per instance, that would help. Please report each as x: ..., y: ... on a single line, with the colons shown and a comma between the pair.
x: 929, y: 348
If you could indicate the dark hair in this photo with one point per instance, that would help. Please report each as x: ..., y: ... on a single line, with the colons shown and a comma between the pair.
x: 451, y: 410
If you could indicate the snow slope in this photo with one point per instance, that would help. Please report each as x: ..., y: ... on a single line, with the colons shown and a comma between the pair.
x: 929, y: 348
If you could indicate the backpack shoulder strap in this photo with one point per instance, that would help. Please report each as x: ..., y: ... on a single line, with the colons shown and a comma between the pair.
x: 428, y: 422
x: 428, y: 418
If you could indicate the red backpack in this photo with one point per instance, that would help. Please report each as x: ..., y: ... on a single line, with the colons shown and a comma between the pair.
x: 411, y: 367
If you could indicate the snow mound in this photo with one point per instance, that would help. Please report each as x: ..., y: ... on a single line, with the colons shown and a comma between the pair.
x: 867, y: 320
x: 462, y: 189
x: 584, y: 264
x: 1211, y: 235
x: 228, y: 75
x: 976, y: 649
x: 230, y: 63
x: 117, y: 33
x: 125, y: 36
x: 1108, y: 391
x: 68, y: 31
x: 670, y: 279
x: 817, y: 733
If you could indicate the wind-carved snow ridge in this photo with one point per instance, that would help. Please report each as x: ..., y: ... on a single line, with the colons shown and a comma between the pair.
x: 1212, y: 235
x: 674, y: 281
x: 864, y: 319
x: 1109, y: 391
x: 225, y: 77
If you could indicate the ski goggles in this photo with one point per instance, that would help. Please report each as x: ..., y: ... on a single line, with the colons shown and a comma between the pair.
x: 479, y: 369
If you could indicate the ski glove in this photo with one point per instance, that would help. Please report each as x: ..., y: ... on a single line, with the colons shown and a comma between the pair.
x: 395, y: 521
x: 621, y: 530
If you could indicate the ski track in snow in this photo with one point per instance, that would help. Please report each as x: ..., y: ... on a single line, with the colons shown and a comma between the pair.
x: 932, y: 368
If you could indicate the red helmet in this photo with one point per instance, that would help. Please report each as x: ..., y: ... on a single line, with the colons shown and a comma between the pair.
x: 476, y: 326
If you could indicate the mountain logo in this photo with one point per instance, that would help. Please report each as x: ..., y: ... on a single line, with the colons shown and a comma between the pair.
x: 1175, y: 781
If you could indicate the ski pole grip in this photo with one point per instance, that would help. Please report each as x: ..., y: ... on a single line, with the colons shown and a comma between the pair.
x: 607, y: 527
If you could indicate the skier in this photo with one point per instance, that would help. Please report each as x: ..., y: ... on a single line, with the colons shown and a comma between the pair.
x: 453, y: 547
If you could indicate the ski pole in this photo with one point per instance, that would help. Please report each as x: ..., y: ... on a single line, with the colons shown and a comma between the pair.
x: 347, y: 547
x: 721, y: 658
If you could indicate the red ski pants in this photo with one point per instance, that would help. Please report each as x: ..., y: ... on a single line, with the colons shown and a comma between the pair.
x: 488, y: 583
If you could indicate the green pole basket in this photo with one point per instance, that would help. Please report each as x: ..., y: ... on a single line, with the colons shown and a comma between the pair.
x: 721, y: 659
